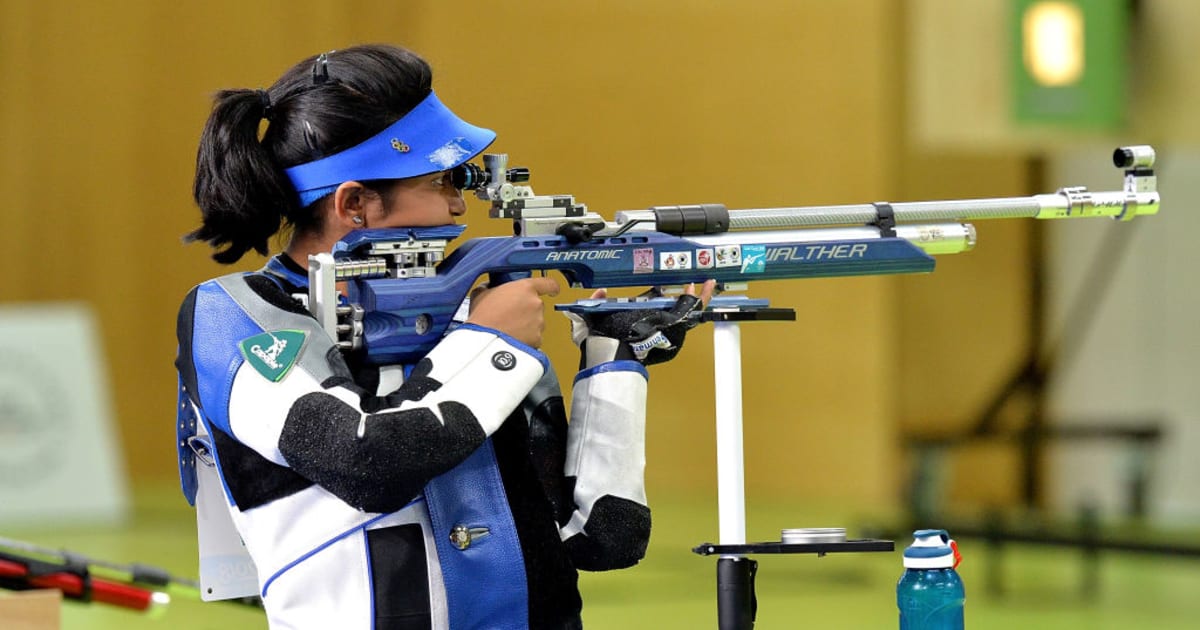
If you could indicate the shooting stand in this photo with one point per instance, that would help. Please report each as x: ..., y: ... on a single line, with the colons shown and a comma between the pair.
x: 737, y: 605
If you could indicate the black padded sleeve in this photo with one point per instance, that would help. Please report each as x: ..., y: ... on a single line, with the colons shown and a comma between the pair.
x: 398, y: 453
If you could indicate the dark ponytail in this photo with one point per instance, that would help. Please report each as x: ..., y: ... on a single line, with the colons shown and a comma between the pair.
x: 320, y: 106
x: 241, y: 192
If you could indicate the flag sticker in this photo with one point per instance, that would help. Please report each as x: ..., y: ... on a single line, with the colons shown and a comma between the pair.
x: 273, y: 354
x: 643, y: 260
x: 671, y: 261
x: 729, y: 256
x: 704, y: 259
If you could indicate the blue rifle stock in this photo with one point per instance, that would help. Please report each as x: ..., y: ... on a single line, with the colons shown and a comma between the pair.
x: 403, y: 292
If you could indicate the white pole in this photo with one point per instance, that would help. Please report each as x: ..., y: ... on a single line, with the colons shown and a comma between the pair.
x: 731, y: 493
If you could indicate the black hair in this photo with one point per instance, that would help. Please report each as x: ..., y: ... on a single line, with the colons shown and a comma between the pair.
x: 322, y: 105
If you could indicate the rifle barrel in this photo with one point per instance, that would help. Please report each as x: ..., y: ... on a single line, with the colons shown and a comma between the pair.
x: 866, y: 214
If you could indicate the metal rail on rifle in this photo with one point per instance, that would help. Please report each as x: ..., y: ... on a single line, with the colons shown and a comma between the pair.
x: 402, y: 290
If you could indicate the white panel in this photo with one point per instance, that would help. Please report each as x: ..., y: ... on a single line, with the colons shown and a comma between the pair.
x: 1136, y: 356
x: 59, y: 456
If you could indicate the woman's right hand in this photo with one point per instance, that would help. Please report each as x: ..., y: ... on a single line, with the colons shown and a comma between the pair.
x: 514, y: 308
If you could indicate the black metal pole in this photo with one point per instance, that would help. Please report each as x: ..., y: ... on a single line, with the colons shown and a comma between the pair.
x: 736, y: 602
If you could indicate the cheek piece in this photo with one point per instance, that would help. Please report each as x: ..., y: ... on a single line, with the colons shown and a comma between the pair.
x: 428, y: 139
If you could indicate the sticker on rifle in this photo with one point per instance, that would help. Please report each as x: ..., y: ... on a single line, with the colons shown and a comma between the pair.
x: 754, y: 258
x: 643, y: 260
x: 273, y: 353
x: 729, y: 256
x: 704, y: 259
x: 671, y: 261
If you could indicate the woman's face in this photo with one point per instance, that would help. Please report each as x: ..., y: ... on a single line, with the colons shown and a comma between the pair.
x: 428, y: 200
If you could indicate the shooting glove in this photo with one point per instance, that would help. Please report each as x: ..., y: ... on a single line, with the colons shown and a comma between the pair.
x: 646, y: 335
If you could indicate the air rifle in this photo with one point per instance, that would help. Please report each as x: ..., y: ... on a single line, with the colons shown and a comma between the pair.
x: 403, y: 291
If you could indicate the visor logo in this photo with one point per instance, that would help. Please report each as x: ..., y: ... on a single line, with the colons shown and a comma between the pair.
x: 450, y: 154
x: 400, y: 146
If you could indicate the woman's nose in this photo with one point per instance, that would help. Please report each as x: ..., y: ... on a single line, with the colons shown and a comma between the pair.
x: 458, y: 206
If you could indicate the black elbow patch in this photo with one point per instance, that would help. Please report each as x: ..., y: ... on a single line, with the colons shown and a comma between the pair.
x: 397, y: 454
x: 422, y: 369
x: 414, y: 389
x: 416, y: 386
x: 615, y: 537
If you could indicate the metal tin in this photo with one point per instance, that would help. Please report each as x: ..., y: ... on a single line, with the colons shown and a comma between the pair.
x: 809, y: 535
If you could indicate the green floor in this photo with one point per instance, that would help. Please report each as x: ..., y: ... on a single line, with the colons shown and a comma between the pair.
x: 673, y: 588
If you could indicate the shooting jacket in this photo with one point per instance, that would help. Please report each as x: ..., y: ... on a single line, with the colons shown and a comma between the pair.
x: 448, y: 494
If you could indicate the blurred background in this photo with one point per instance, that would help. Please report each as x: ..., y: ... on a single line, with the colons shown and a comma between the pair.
x: 1034, y: 395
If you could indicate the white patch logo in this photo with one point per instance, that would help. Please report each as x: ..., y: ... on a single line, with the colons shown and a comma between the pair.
x: 450, y: 153
x: 270, y: 356
x: 273, y: 354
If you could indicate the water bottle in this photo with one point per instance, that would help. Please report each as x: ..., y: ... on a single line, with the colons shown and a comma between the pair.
x: 930, y: 593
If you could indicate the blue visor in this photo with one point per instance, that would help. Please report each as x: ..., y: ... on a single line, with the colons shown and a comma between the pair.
x: 428, y: 139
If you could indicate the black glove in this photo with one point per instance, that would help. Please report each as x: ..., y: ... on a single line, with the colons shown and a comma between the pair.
x: 646, y: 335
